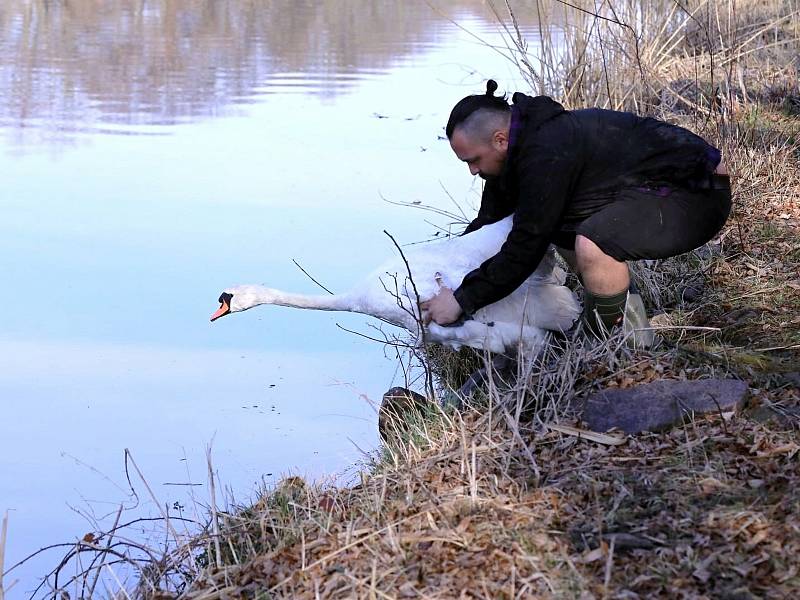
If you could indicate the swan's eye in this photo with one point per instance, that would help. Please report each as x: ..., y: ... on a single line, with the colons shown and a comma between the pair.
x: 225, y: 297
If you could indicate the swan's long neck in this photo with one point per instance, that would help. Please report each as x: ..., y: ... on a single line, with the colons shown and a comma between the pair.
x: 258, y: 295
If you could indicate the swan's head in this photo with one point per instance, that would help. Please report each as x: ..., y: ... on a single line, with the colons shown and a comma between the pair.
x: 237, y: 299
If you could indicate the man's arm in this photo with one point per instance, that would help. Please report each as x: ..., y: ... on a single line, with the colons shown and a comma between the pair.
x: 547, y: 168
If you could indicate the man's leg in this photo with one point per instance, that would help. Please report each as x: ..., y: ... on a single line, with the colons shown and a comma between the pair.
x: 601, y: 273
x: 641, y: 224
x: 610, y: 299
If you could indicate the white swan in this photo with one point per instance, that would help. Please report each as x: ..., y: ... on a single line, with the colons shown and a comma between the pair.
x: 541, y: 302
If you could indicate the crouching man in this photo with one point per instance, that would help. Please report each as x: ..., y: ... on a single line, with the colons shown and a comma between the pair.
x: 605, y: 187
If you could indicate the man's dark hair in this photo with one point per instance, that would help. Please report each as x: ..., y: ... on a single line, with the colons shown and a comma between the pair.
x: 477, y: 111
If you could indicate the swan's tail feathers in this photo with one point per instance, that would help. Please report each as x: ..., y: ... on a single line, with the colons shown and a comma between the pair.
x: 553, y: 307
x: 548, y: 271
x: 548, y: 306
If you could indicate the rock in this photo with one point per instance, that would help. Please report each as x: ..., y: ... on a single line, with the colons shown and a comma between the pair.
x: 399, y: 405
x: 784, y: 416
x: 693, y: 291
x: 707, y: 251
x: 740, y: 593
x: 792, y: 378
x: 623, y: 541
x: 661, y: 404
x: 627, y: 541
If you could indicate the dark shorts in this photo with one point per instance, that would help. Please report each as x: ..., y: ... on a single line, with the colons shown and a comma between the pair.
x: 644, y: 223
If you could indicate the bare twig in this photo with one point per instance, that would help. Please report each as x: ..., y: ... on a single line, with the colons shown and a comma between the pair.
x: 418, y: 316
x: 104, y: 554
x: 307, y: 274
x: 3, y: 532
x: 373, y: 339
x: 129, y: 457
x: 214, y: 516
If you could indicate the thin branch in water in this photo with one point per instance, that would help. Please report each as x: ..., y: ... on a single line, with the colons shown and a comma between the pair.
x: 108, y: 545
x: 592, y: 14
x: 453, y: 200
x: 420, y: 322
x: 3, y: 533
x: 426, y: 207
x: 214, y: 516
x: 119, y: 583
x: 364, y: 335
x: 307, y: 274
x: 129, y: 456
x: 467, y: 31
x: 36, y: 553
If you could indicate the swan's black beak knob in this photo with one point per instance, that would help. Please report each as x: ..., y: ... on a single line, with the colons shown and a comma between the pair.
x: 225, y: 306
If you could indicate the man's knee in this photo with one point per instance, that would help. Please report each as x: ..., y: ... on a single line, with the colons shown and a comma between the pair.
x: 601, y: 273
x: 588, y: 253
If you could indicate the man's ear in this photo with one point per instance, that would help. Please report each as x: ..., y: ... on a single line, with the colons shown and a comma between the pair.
x: 500, y: 139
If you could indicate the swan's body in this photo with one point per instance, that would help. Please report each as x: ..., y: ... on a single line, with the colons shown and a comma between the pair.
x: 541, y: 302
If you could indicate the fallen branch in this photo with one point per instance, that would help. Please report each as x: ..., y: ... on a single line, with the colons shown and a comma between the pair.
x: 585, y: 434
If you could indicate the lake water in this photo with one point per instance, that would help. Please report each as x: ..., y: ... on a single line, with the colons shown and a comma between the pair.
x: 152, y: 154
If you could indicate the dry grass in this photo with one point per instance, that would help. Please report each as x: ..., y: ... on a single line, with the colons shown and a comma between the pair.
x: 494, y: 508
x: 697, y: 511
x: 490, y: 503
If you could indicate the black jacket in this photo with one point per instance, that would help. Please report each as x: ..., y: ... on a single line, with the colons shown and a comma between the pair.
x: 562, y: 167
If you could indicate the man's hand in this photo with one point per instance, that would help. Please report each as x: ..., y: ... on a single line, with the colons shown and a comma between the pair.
x: 443, y: 308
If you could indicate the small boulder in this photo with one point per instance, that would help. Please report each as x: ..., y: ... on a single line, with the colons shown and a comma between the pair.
x: 398, y: 407
x: 661, y: 404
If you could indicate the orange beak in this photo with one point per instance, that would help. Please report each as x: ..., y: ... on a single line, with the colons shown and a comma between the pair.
x: 223, y: 310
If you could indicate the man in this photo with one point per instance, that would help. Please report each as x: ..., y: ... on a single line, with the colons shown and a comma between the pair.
x: 605, y: 187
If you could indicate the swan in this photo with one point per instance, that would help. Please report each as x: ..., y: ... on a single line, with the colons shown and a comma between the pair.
x: 541, y: 303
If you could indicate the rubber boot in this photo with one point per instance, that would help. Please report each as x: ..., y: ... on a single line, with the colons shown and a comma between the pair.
x: 635, y: 324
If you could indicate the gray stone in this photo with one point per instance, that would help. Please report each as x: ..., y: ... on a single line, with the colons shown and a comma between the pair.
x: 661, y: 404
x: 792, y: 378
x: 785, y: 416
x: 693, y: 291
x: 398, y: 408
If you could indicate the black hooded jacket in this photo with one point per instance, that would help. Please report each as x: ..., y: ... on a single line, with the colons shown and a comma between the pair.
x: 562, y: 167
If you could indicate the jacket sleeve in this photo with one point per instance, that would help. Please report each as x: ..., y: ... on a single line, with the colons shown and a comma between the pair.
x: 495, y: 205
x: 546, y: 168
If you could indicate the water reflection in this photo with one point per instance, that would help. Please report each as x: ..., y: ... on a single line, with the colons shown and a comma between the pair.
x: 64, y: 65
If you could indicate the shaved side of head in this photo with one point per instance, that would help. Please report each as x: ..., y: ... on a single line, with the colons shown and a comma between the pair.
x: 482, y: 124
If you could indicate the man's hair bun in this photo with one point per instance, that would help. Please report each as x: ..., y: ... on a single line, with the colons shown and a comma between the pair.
x: 467, y: 106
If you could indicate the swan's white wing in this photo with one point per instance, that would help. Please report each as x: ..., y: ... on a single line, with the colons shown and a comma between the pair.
x: 453, y: 257
x: 540, y: 302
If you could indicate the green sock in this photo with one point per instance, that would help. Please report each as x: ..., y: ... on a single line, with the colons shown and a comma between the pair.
x: 601, y: 313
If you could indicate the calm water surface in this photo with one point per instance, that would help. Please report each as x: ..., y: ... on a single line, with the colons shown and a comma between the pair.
x: 152, y: 154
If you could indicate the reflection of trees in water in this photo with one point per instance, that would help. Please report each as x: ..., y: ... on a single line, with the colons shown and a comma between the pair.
x: 159, y: 60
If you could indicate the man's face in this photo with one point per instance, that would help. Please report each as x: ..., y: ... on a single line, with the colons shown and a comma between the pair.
x: 483, y: 158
